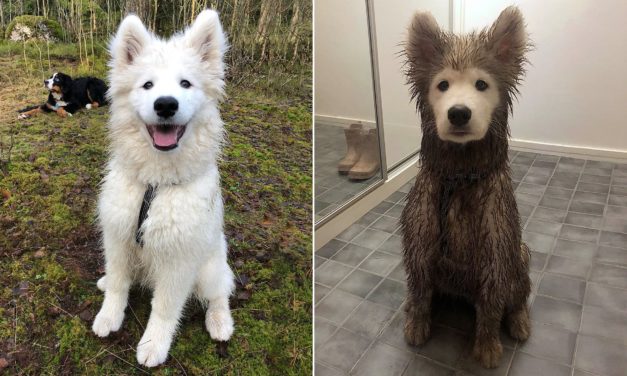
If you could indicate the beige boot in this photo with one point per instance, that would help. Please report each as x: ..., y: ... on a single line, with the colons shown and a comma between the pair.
x: 368, y: 164
x: 353, y: 152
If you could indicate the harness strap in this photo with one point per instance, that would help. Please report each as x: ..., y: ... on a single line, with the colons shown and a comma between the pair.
x: 143, y: 213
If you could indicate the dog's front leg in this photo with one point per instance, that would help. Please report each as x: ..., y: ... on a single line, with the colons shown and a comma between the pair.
x: 418, y: 311
x: 172, y: 288
x: 487, y: 348
x: 116, y: 285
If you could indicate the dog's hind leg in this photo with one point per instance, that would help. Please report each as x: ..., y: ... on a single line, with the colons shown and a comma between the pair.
x: 215, y: 285
x: 518, y: 324
x: 173, y: 284
x: 116, y: 287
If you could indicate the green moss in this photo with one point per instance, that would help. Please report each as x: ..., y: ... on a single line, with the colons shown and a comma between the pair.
x: 38, y: 24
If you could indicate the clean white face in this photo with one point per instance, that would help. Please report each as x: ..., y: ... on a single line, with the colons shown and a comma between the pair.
x: 167, y: 81
x: 472, y: 90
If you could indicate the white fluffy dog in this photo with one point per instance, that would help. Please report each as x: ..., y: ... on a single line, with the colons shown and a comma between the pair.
x: 160, y: 208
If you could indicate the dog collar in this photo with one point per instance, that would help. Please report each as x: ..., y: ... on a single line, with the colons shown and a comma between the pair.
x: 149, y: 195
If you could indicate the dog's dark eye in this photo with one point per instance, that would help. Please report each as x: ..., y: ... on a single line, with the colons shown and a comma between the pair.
x: 481, y: 85
x: 185, y: 84
x: 148, y: 85
x: 443, y: 86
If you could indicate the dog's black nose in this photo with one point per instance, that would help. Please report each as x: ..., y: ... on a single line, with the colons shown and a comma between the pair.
x: 459, y: 115
x: 166, y: 106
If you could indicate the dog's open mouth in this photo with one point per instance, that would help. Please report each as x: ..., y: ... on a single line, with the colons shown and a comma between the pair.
x: 166, y: 136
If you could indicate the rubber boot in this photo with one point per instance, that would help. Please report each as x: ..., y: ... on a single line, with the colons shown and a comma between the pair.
x: 368, y: 163
x: 353, y: 139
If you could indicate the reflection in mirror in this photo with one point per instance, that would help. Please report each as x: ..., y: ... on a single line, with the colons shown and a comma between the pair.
x: 347, y: 153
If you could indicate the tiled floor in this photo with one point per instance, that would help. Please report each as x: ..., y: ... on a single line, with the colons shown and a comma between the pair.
x: 333, y: 189
x: 574, y: 214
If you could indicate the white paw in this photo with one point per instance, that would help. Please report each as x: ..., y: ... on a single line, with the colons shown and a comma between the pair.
x: 107, y: 322
x: 88, y: 106
x: 102, y: 283
x: 22, y: 116
x: 151, y: 351
x: 219, y: 324
x: 69, y: 114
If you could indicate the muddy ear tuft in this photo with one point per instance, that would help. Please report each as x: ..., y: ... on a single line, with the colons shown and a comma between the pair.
x: 425, y: 40
x: 206, y: 36
x: 507, y: 36
x: 129, y: 41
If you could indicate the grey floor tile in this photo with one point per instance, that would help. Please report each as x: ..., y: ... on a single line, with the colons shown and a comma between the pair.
x: 550, y: 342
x: 559, y: 313
x: 398, y: 273
x: 538, y: 242
x: 396, y: 197
x: 526, y: 365
x: 538, y: 261
x: 587, y: 178
x: 617, y: 200
x: 534, y: 189
x: 616, y: 211
x: 535, y: 280
x: 351, y: 254
x: 323, y: 370
x: 618, y: 190
x: 584, y: 220
x: 613, y: 239
x: 548, y: 214
x: 554, y: 202
x: 566, y: 182
x: 601, y: 356
x: 527, y: 198
x: 370, y: 238
x: 368, y: 218
x: 369, y: 319
x: 569, y: 248
x: 468, y: 364
x: 544, y: 227
x: 609, y: 275
x: 606, y: 297
x: 544, y: 163
x: 318, y: 261
x: 380, y: 263
x: 393, y: 334
x: 586, y: 208
x: 525, y: 210
x: 420, y: 365
x: 321, y: 292
x: 568, y: 266
x: 389, y: 293
x: 359, y: 283
x: 597, y: 198
x: 594, y: 188
x: 615, y: 224
x: 612, y: 255
x: 393, y: 244
x: 395, y: 211
x: 445, y: 345
x: 324, y: 331
x: 342, y: 350
x: 562, y: 287
x: 382, y: 207
x: 382, y: 359
x: 580, y: 234
x: 559, y: 192
x: 337, y: 306
x: 330, y: 248
x: 523, y: 160
x: 386, y: 224
x: 603, y: 322
x: 330, y: 273
x: 352, y: 231
x: 535, y: 178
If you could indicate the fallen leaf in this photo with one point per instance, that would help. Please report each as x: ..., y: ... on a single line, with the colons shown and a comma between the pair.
x: 21, y: 289
x: 243, y: 295
x: 3, y: 363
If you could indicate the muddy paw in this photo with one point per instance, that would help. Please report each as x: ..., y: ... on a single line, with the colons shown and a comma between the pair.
x: 417, y: 332
x: 219, y: 324
x: 488, y: 354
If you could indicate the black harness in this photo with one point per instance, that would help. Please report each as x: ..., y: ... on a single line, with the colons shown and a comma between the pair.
x: 449, y: 184
x: 149, y: 195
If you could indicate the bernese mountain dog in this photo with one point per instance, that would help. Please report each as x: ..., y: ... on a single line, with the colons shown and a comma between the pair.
x: 68, y: 95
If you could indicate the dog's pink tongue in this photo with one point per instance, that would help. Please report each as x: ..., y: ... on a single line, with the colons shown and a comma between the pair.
x: 166, y: 137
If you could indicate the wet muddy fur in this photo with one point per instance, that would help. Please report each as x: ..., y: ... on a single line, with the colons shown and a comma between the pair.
x: 461, y: 227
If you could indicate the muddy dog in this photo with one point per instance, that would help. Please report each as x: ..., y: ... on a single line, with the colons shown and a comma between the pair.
x: 461, y: 227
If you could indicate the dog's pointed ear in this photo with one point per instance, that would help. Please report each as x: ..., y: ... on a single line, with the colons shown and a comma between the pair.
x: 507, y: 37
x: 207, y: 37
x: 425, y: 40
x: 129, y: 41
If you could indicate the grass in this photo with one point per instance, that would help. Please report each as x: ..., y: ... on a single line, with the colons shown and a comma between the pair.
x: 49, y: 245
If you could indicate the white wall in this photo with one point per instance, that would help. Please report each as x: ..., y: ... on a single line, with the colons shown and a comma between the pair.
x: 575, y: 94
x: 343, y: 78
x: 401, y: 122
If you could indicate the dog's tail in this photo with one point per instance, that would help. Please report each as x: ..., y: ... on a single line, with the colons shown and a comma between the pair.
x: 28, y: 108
